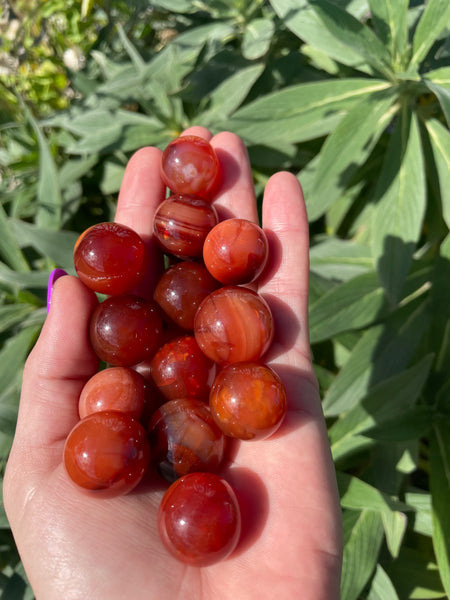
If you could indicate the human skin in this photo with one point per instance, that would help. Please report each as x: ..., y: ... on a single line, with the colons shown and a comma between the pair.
x: 78, y: 547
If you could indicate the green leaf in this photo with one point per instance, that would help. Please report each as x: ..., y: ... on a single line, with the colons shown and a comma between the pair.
x: 356, y: 494
x: 439, y: 138
x: 300, y: 112
x: 336, y: 32
x: 415, y: 576
x: 360, y: 553
x: 443, y: 96
x: 390, y: 20
x: 13, y: 314
x: 389, y: 399
x: 338, y: 259
x: 56, y: 245
x: 434, y: 20
x: 381, y: 352
x: 13, y: 355
x: 400, y: 210
x: 10, y: 250
x: 394, y: 524
x: 347, y: 148
x: 440, y: 494
x: 382, y: 587
x: 351, y: 305
x: 257, y: 38
x: 228, y: 96
x: 440, y: 76
x: 49, y: 198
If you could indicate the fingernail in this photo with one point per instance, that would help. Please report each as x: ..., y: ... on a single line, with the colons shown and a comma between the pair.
x: 54, y: 275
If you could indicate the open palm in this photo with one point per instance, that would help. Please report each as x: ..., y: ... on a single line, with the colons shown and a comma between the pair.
x: 76, y: 547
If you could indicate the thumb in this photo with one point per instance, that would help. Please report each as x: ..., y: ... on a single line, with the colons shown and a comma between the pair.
x: 56, y: 370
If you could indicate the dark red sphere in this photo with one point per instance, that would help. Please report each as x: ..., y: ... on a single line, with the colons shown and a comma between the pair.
x: 110, y: 258
x: 181, y: 370
x: 181, y: 289
x: 107, y: 453
x: 199, y: 519
x: 125, y: 330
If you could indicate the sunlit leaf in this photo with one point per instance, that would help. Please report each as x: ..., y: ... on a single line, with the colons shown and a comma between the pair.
x: 357, y: 134
x: 381, y: 586
x: 360, y: 553
x: 257, y: 38
x: 400, y: 210
x: 434, y: 19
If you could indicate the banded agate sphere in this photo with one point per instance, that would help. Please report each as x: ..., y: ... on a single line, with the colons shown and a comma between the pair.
x: 236, y: 251
x: 181, y: 224
x: 234, y: 324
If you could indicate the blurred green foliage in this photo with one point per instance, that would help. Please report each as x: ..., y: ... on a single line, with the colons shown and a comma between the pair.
x: 351, y: 95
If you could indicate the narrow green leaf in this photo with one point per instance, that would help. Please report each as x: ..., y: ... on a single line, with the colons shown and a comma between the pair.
x: 10, y: 251
x: 440, y: 143
x: 350, y: 305
x: 433, y: 21
x: 130, y: 49
x: 257, y: 38
x: 13, y: 281
x: 440, y: 494
x: 13, y: 355
x: 389, y: 399
x: 381, y: 352
x: 300, y: 112
x: 400, y: 210
x: 358, y: 495
x: 390, y: 19
x: 443, y: 95
x: 357, y: 133
x: 340, y: 259
x: 49, y: 196
x: 382, y: 587
x: 440, y: 76
x: 13, y: 314
x: 334, y: 31
x: 56, y: 245
x: 420, y: 501
x: 361, y: 554
x: 229, y: 95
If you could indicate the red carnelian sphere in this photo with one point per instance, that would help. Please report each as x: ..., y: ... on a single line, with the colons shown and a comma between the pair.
x: 181, y: 370
x: 234, y: 324
x: 199, y: 519
x: 181, y: 289
x: 125, y: 330
x: 236, y: 251
x: 110, y: 258
x: 116, y: 388
x: 107, y: 453
x: 184, y: 438
x: 190, y: 166
x: 248, y: 401
x: 181, y: 224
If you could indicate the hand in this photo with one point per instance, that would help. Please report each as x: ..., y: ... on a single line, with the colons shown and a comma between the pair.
x: 77, y: 547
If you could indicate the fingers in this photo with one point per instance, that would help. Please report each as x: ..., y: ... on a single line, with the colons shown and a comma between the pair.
x: 60, y: 363
x: 141, y: 192
x: 236, y: 195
